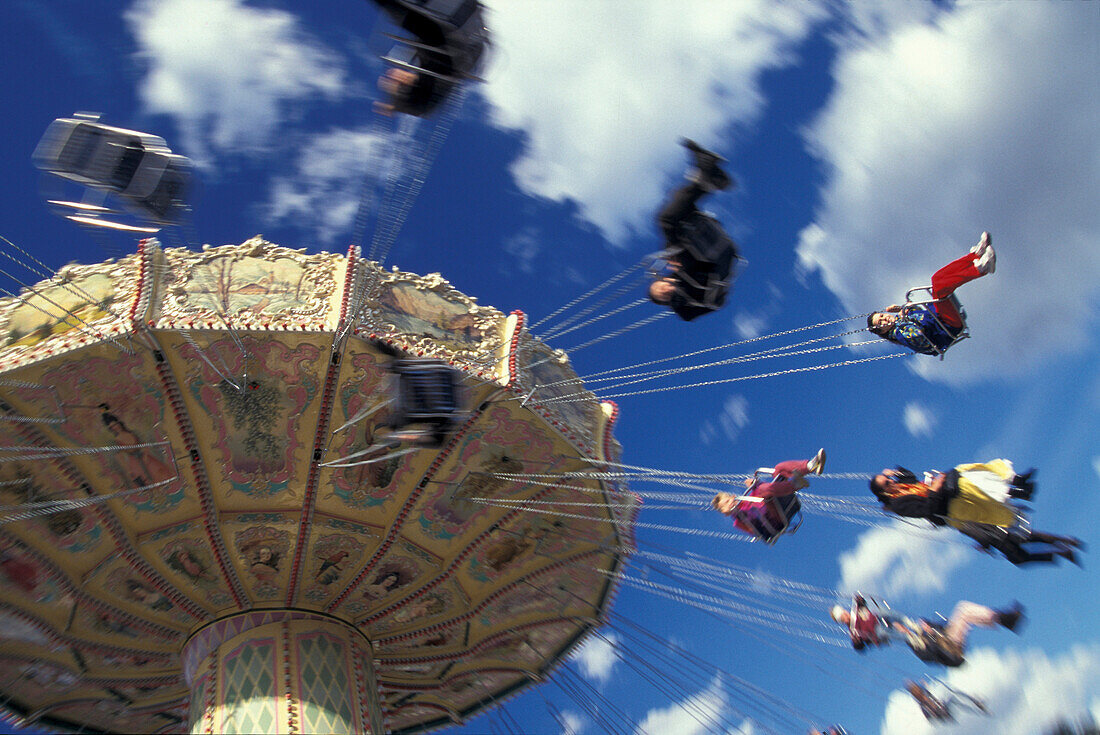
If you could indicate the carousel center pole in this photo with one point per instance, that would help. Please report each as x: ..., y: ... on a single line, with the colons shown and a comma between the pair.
x: 281, y: 671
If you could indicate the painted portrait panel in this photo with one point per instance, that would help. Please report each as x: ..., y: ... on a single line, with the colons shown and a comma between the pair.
x: 331, y: 558
x: 265, y: 552
x: 193, y: 562
x: 126, y: 585
x: 112, y: 402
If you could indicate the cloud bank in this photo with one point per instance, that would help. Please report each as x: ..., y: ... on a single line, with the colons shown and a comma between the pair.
x: 323, y: 192
x: 734, y: 416
x: 571, y: 723
x: 981, y: 120
x: 597, y: 657
x: 616, y: 88
x: 698, y: 714
x: 919, y: 421
x: 227, y: 72
x: 898, y: 559
x: 1025, y: 691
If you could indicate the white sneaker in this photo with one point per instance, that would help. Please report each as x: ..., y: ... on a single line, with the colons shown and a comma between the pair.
x: 985, y: 241
x: 987, y: 260
x: 817, y: 465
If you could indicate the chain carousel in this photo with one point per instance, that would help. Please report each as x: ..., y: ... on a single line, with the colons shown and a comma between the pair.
x: 197, y: 534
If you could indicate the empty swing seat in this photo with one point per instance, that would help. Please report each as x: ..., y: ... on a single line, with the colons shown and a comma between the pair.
x: 427, y: 394
x: 138, y: 168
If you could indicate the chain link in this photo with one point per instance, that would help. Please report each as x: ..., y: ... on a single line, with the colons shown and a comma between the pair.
x: 789, y: 371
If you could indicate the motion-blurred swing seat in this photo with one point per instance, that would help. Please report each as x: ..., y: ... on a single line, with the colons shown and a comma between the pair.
x: 450, y: 40
x: 428, y: 394
x: 138, y: 168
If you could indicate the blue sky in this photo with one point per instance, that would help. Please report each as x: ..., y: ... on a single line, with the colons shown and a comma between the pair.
x: 872, y: 144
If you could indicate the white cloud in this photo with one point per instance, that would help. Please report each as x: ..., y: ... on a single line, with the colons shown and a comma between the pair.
x: 602, y: 111
x: 875, y: 19
x: 749, y: 325
x: 747, y: 727
x: 1096, y: 465
x: 227, y: 71
x: 524, y: 246
x: 571, y: 722
x: 734, y: 416
x: 597, y: 657
x: 896, y: 559
x: 1025, y: 691
x: 699, y: 713
x: 919, y: 421
x: 984, y: 120
x: 323, y: 194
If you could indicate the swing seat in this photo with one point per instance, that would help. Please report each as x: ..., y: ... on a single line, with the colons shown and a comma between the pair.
x: 452, y: 15
x: 415, y: 64
x: 938, y: 708
x: 428, y: 393
x: 926, y: 306
x: 137, y: 167
x: 450, y: 40
x: 779, y: 516
x: 703, y: 289
x: 705, y: 241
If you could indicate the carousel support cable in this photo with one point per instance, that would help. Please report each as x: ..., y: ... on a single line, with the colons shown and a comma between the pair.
x: 587, y: 378
x: 604, y: 284
x: 556, y: 330
x: 780, y: 618
x: 812, y: 596
x: 675, y: 595
x: 657, y: 652
x: 618, y: 332
x: 789, y: 371
x: 689, y: 699
x: 655, y: 526
x: 593, y: 320
x: 198, y: 350
x: 683, y: 698
x: 599, y: 703
x: 776, y: 606
x: 658, y: 645
x: 753, y: 357
x: 24, y: 511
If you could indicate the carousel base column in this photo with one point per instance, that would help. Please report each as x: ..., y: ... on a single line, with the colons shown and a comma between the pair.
x: 281, y: 671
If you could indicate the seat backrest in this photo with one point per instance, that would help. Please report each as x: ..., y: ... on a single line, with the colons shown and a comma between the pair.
x: 926, y: 305
x: 428, y: 390
x: 787, y: 509
x: 454, y: 29
x: 452, y: 12
x: 707, y: 242
x: 774, y: 519
x: 78, y: 150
